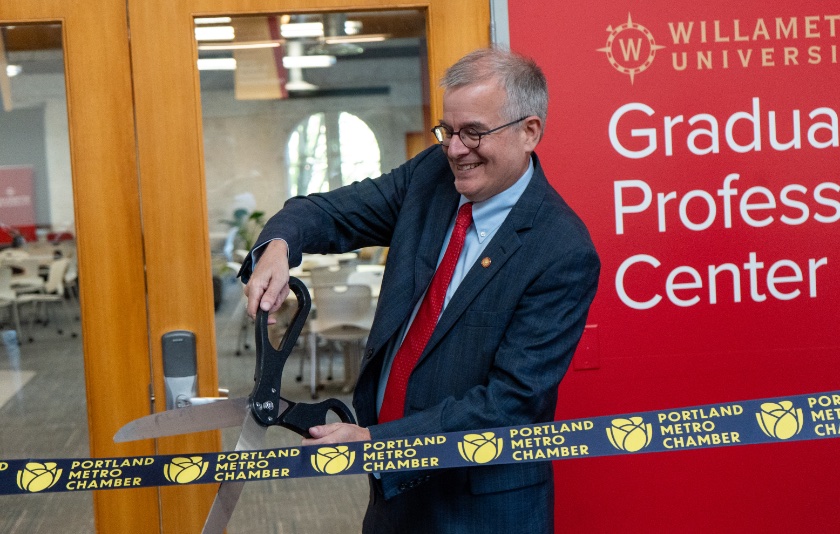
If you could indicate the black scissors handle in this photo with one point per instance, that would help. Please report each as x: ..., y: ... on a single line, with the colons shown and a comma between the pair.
x: 301, y: 416
x: 266, y: 402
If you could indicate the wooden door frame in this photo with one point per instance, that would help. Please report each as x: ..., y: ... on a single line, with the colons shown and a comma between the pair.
x: 108, y: 233
x: 171, y: 162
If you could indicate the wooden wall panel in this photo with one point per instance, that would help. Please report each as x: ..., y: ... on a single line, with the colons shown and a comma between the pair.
x: 167, y: 98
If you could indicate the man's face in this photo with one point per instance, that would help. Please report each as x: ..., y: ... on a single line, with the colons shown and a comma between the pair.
x: 502, y: 157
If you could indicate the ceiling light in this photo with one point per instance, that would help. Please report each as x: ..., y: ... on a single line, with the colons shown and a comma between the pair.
x: 214, y: 33
x: 241, y: 46
x: 302, y: 29
x: 352, y: 27
x: 213, y: 20
x: 308, y: 62
x: 13, y: 70
x: 221, y: 63
x: 369, y: 38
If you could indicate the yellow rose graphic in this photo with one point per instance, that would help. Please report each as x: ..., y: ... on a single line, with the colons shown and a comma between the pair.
x: 480, y: 448
x: 629, y: 435
x: 780, y: 420
x: 35, y: 476
x: 333, y: 460
x: 185, y: 470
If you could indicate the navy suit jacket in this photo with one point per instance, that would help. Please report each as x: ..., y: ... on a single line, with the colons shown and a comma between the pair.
x: 504, y: 341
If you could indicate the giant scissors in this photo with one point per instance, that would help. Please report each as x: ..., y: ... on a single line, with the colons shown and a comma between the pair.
x: 263, y: 408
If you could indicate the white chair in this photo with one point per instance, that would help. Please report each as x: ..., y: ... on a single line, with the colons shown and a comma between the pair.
x: 371, y: 255
x: 64, y: 249
x: 313, y: 261
x: 27, y: 279
x: 8, y: 297
x: 329, y: 273
x: 343, y: 314
x: 12, y: 254
x: 333, y: 275
x: 372, y: 279
x: 71, y: 281
x: 53, y: 293
x: 330, y: 276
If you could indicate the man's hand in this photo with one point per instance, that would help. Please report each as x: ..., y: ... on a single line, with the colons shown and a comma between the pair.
x: 336, y: 433
x: 268, y: 286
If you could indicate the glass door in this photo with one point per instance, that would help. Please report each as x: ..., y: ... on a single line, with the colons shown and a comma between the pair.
x: 296, y: 103
x: 41, y: 370
x: 214, y: 143
x: 70, y: 198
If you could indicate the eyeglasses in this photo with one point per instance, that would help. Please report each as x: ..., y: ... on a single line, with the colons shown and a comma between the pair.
x: 469, y: 136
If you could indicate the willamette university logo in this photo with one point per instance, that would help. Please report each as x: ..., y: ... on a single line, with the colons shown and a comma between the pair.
x: 630, y: 48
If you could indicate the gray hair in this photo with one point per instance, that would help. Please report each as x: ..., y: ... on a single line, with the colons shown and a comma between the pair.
x: 523, y: 81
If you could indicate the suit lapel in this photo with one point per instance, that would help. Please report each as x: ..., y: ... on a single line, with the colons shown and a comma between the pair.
x: 503, y: 245
x: 394, y: 310
x: 434, y: 233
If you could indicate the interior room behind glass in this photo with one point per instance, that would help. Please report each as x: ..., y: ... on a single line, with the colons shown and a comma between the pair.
x: 299, y: 103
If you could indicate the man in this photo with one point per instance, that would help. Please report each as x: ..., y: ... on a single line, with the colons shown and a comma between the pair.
x: 513, y: 311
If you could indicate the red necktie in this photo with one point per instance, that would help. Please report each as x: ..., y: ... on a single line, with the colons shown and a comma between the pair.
x: 393, y: 403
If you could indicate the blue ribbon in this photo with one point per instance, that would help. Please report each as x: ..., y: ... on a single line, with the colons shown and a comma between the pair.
x: 794, y: 418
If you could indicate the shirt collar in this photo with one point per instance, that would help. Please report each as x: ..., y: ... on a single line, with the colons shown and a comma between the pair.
x: 489, y: 215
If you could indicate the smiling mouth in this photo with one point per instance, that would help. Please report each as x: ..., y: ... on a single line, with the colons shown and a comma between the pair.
x: 468, y: 166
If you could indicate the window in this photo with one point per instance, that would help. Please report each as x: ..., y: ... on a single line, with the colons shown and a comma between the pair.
x: 328, y: 150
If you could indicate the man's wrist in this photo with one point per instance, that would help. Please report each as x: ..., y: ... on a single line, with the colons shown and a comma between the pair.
x: 259, y: 251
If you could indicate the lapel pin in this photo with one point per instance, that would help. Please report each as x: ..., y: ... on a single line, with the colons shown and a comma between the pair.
x: 485, y: 262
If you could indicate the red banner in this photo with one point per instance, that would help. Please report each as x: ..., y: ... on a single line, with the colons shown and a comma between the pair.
x: 17, y: 201
x: 699, y: 141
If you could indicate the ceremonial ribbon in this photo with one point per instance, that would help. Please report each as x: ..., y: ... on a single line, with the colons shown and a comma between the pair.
x: 793, y: 418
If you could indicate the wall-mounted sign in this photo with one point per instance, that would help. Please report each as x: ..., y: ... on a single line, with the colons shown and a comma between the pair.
x: 700, y: 143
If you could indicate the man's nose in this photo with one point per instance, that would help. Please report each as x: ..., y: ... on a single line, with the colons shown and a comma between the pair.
x: 456, y: 146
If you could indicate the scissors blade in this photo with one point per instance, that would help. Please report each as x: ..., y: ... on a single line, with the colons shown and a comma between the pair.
x: 220, y: 414
x: 251, y: 438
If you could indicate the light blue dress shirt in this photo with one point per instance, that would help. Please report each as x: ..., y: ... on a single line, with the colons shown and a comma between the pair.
x: 488, y: 216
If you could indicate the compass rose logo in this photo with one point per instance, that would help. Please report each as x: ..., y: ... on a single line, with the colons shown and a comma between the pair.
x: 630, y: 48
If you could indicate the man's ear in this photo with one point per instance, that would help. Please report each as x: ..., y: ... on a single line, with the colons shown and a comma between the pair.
x: 532, y: 131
